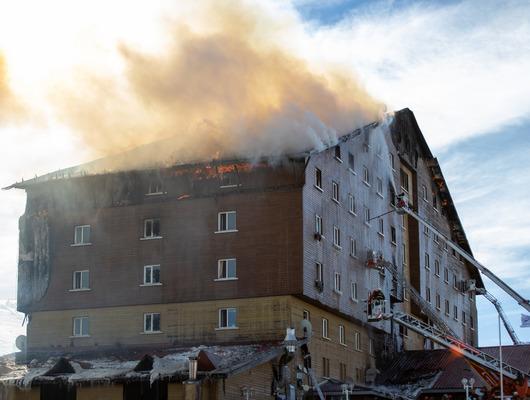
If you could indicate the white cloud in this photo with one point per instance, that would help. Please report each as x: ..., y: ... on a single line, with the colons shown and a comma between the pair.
x: 462, y: 68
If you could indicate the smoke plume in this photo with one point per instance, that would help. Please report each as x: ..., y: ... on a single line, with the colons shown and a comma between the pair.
x: 224, y: 91
x: 11, y: 109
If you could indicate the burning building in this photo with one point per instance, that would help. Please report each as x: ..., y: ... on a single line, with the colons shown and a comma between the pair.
x: 215, y: 260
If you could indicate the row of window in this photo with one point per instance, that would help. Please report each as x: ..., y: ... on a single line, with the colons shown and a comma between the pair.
x: 226, y: 222
x: 152, y: 322
x: 226, y: 270
x: 447, y: 308
x: 337, y: 282
x: 457, y: 284
x: 342, y: 336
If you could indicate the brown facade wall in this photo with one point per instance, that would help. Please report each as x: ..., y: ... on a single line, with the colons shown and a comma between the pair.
x: 107, y: 392
x: 267, y: 247
x: 15, y: 393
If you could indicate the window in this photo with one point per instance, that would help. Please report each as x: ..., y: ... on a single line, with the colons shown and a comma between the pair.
x: 353, y: 247
x: 438, y: 301
x: 371, y: 347
x: 404, y: 253
x: 351, y: 162
x: 380, y: 187
x: 427, y: 261
x: 434, y: 201
x: 405, y: 294
x: 151, y: 322
x: 342, y: 371
x: 152, y: 275
x: 319, y: 273
x: 155, y: 187
x: 428, y: 294
x: 228, y: 179
x: 392, y: 164
x: 338, y: 282
x: 318, y: 225
x: 337, y: 152
x: 424, y: 192
x: 351, y: 200
x: 336, y: 237
x: 403, y: 331
x: 393, y: 235
x: 226, y: 221
x: 464, y: 318
x: 152, y: 228
x: 325, y: 323
x: 455, y: 282
x: 446, y: 307
x: 318, y: 178
x: 342, y: 338
x: 381, y: 229
x: 425, y: 230
x: 366, y: 175
x: 446, y: 275
x: 471, y: 322
x: 455, y: 312
x: 227, y: 318
x: 436, y: 267
x: 435, y: 238
x: 81, y: 280
x: 404, y: 222
x: 82, y: 234
x: 354, y: 291
x: 80, y: 327
x: 357, y: 340
x: 366, y: 215
x: 404, y: 178
x: 335, y: 187
x: 306, y: 315
x: 325, y: 366
x: 226, y: 269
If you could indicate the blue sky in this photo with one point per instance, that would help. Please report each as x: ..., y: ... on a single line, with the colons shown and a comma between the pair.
x: 460, y: 66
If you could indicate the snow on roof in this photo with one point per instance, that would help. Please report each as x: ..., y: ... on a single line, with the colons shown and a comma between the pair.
x: 167, y: 364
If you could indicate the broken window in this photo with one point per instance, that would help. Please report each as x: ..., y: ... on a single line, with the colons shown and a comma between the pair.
x: 151, y: 322
x: 155, y: 187
x: 228, y: 178
x: 436, y: 267
x: 381, y: 230
x: 353, y: 247
x: 226, y: 221
x: 351, y: 162
x: 338, y: 287
x: 404, y: 177
x: 366, y: 175
x: 152, y: 228
x: 318, y: 178
x: 380, y: 187
x: 152, y: 274
x: 227, y: 269
x: 80, y: 326
x: 337, y: 152
x: 336, y: 236
x: 82, y: 234
x: 318, y: 225
x: 228, y: 318
x: 81, y: 280
x: 335, y: 186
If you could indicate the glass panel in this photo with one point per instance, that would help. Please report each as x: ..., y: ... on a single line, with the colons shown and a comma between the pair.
x: 156, y: 275
x: 231, y: 221
x: 231, y: 268
x: 232, y: 315
x: 148, y: 228
x: 77, y: 326
x: 147, y: 275
x: 84, y: 326
x: 84, y: 280
x: 86, y: 234
x: 156, y: 227
x: 222, y: 222
x: 77, y: 280
x: 156, y: 322
x: 148, y: 326
x: 222, y: 319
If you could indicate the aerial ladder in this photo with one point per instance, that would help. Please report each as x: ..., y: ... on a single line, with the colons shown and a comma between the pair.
x: 497, y: 304
x: 402, y: 207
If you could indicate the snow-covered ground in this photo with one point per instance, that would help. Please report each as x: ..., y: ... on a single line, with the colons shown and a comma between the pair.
x: 10, y: 326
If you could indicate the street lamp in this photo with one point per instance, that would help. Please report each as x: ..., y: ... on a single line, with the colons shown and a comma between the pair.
x: 346, y: 390
x: 290, y: 341
x: 468, y: 384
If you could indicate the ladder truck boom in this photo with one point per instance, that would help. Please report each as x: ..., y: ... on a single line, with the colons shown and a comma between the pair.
x: 402, y: 207
x: 496, y: 303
